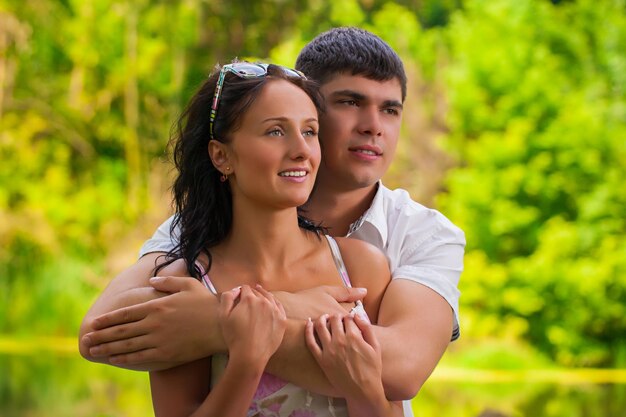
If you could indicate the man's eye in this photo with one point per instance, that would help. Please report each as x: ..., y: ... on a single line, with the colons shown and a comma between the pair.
x: 349, y: 102
x: 392, y: 111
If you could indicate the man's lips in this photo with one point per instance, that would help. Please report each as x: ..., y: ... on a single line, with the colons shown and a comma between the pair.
x: 369, y: 151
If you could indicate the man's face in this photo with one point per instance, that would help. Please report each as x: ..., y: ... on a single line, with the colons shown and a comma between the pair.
x: 359, y: 130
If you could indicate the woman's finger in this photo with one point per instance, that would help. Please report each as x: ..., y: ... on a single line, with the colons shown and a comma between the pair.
x: 321, y: 330
x: 227, y: 300
x: 352, y: 330
x: 336, y: 326
x: 268, y: 295
x: 367, y: 330
x: 311, y: 342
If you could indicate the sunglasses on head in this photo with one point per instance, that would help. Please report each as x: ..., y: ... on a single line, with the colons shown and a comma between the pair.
x: 242, y: 70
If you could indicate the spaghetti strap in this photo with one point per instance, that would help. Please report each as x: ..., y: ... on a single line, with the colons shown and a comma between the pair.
x: 205, y: 278
x: 341, y: 266
x: 343, y: 272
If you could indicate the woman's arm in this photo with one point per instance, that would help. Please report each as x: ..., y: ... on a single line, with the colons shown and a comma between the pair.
x: 253, y: 323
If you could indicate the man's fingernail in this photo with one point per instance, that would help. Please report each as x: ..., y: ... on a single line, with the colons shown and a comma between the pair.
x: 87, y: 339
x: 95, y: 351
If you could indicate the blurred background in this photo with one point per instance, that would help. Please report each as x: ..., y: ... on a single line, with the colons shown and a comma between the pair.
x: 514, y: 128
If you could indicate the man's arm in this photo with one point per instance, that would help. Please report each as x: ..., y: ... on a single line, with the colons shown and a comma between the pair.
x: 147, y: 335
x: 414, y: 329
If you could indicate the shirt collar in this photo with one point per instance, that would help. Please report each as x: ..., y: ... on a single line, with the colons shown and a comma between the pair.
x: 374, y: 215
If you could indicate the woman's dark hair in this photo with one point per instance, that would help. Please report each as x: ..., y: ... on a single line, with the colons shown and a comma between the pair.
x: 350, y: 50
x: 202, y: 202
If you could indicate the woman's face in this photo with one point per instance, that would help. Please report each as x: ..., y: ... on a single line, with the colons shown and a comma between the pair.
x: 275, y: 153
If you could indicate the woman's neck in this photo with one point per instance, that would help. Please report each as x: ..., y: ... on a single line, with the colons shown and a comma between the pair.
x: 263, y: 240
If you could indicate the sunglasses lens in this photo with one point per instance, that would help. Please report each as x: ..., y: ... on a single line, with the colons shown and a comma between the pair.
x: 246, y: 69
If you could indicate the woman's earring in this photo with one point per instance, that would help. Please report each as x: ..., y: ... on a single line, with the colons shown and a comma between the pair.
x: 224, y: 177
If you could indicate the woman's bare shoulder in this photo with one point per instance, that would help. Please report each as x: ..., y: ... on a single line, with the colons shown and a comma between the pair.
x: 367, y: 267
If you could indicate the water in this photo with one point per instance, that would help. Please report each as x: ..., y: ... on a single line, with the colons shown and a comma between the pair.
x: 64, y: 385
x: 530, y: 399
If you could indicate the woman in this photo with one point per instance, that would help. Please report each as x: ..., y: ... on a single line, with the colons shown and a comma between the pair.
x: 247, y: 154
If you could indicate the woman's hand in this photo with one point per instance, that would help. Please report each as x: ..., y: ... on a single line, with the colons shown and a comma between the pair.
x: 253, y: 323
x: 349, y: 354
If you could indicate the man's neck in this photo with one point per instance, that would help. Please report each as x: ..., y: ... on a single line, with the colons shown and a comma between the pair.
x: 338, y: 210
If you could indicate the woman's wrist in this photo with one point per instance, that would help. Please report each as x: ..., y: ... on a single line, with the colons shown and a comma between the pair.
x: 246, y: 365
x: 371, y: 401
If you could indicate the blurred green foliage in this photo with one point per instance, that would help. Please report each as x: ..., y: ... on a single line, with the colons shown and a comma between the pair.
x: 537, y: 122
x: 515, y: 127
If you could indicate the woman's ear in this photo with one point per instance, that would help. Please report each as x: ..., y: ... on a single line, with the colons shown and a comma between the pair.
x: 218, y: 152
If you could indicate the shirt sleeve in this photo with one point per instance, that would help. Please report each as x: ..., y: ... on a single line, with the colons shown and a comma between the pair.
x: 434, y: 259
x: 161, y: 240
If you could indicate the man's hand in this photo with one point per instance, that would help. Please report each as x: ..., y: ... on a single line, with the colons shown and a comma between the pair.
x: 314, y: 302
x: 174, y: 329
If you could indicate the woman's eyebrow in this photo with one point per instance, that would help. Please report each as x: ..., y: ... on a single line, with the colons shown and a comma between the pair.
x: 285, y: 119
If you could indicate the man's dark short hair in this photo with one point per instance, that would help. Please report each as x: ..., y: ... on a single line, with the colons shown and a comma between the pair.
x: 350, y: 50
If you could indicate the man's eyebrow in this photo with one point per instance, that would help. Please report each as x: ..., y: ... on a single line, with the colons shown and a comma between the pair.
x: 393, y: 103
x: 349, y: 93
x: 360, y: 97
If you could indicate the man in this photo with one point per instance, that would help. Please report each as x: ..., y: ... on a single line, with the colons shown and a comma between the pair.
x: 170, y: 321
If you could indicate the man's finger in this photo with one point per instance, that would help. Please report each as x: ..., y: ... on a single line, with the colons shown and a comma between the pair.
x: 346, y: 294
x: 115, y: 333
x: 135, y: 358
x: 118, y: 347
x: 172, y: 284
x: 121, y: 316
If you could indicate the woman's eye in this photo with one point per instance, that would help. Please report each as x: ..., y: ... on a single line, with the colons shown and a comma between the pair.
x: 275, y: 132
x: 310, y: 133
